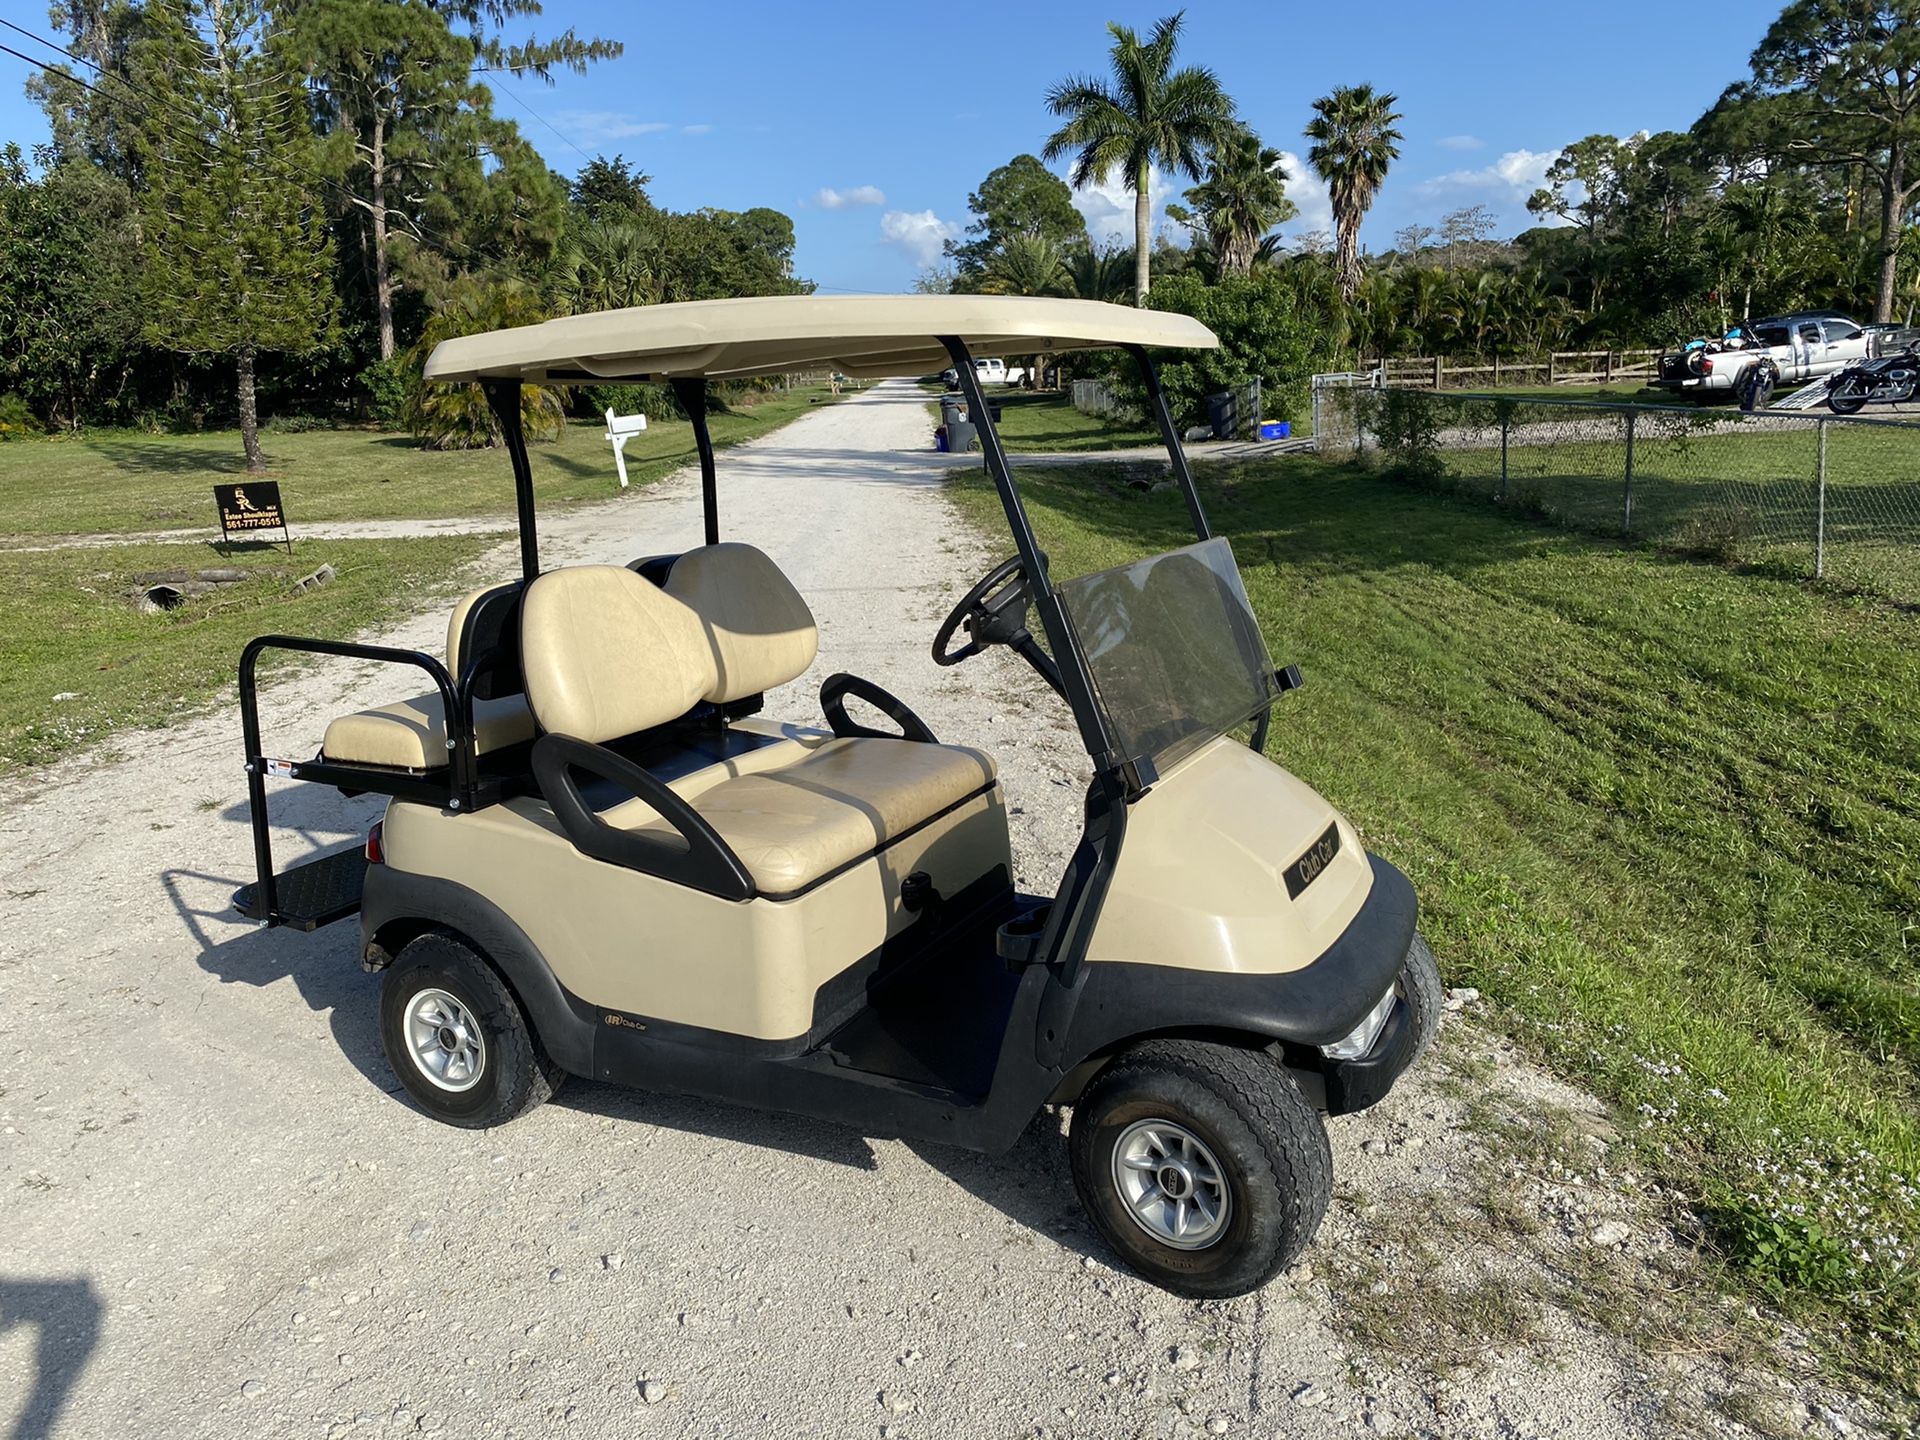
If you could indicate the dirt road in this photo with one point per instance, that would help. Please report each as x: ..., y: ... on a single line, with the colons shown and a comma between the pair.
x: 218, y: 1217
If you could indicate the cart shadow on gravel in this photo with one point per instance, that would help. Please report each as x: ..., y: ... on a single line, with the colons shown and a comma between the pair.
x: 1030, y: 1185
x: 322, y: 964
x: 698, y: 1116
x: 66, y: 1314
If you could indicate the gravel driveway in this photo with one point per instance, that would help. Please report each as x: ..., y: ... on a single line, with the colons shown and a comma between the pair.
x: 219, y: 1218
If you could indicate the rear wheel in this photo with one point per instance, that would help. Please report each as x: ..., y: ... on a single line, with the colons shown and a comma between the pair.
x: 1202, y: 1165
x: 1847, y: 397
x: 458, y: 1039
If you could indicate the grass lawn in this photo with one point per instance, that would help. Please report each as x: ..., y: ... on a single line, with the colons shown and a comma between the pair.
x: 1749, y: 495
x: 1662, y: 813
x: 1625, y: 391
x: 121, y: 481
x: 72, y: 631
x: 1044, y: 422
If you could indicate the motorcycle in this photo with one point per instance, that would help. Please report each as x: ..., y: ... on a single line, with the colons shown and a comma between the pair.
x: 1888, y: 380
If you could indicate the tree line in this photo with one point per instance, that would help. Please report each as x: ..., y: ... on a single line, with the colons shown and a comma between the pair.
x: 1797, y: 188
x: 270, y: 206
x: 249, y: 206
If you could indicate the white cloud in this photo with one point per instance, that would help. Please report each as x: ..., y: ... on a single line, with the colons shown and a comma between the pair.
x: 828, y: 198
x: 593, y: 126
x: 1514, y: 176
x: 1308, y: 192
x: 696, y: 129
x: 1107, y: 207
x: 1461, y: 142
x: 920, y: 234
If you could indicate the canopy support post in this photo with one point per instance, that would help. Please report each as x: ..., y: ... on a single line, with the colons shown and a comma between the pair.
x: 1076, y: 681
x: 503, y: 397
x: 691, y: 392
x: 1157, y: 403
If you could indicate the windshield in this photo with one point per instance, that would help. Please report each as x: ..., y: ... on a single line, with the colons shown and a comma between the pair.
x: 1175, y: 653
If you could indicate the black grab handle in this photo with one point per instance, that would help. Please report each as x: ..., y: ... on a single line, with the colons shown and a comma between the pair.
x: 705, y: 862
x: 833, y: 701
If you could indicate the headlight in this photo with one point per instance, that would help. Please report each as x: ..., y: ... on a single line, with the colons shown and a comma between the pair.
x: 1361, y: 1038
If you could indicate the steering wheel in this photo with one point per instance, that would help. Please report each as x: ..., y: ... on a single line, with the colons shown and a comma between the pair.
x: 994, y: 612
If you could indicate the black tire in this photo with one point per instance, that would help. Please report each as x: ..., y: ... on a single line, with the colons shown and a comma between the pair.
x: 514, y: 1071
x: 1420, y: 984
x: 1847, y: 398
x: 1268, y: 1142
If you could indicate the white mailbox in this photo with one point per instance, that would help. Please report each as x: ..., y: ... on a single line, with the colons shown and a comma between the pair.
x: 620, y: 429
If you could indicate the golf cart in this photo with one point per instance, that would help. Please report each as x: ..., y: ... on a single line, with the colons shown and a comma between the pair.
x: 598, y: 857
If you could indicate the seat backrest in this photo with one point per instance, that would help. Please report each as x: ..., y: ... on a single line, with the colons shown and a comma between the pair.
x: 761, y: 631
x: 486, y: 626
x: 607, y: 654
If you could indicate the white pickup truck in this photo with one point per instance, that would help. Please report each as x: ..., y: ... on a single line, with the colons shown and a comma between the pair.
x: 1759, y: 355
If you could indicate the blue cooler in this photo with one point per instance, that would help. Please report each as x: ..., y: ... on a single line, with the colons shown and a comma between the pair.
x: 1275, y: 429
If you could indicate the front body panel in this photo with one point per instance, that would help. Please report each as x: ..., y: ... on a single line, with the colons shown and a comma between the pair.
x: 1211, y: 853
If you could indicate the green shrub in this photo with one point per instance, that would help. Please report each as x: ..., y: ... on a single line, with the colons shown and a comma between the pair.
x: 386, y: 384
x: 656, y: 402
x: 17, y: 420
x: 1273, y: 324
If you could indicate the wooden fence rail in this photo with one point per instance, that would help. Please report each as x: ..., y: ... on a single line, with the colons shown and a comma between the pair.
x: 1562, y: 367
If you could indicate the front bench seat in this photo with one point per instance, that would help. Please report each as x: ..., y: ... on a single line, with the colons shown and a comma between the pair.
x: 846, y: 800
x: 607, y: 654
x: 412, y: 734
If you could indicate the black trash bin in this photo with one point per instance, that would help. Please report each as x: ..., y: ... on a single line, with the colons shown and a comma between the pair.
x: 1223, y: 415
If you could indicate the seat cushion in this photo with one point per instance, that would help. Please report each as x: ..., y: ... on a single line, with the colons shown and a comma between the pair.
x: 846, y: 799
x: 606, y: 654
x: 761, y: 631
x: 412, y: 734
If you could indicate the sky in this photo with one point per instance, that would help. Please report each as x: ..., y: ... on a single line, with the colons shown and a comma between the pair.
x: 870, y: 124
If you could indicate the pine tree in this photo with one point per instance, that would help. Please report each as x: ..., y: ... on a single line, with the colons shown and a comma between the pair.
x: 238, y: 262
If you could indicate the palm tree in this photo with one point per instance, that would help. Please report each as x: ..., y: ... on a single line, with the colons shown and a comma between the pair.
x: 1100, y: 273
x: 1353, y: 144
x: 1149, y: 114
x: 1027, y: 265
x: 1243, y: 196
x: 613, y: 265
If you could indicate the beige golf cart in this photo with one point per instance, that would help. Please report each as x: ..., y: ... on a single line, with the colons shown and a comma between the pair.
x: 600, y: 858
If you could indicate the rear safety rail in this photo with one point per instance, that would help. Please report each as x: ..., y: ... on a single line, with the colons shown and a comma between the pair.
x: 327, y: 888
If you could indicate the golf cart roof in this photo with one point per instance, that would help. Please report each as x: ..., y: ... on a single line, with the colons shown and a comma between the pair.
x: 865, y: 335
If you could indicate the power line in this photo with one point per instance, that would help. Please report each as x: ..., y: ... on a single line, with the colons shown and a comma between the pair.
x: 509, y: 93
x: 210, y: 147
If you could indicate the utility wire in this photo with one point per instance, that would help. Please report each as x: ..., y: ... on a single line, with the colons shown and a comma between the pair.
x: 509, y: 93
x: 210, y: 147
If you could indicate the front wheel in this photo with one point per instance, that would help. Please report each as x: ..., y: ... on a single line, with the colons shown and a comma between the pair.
x: 457, y: 1038
x: 1202, y: 1165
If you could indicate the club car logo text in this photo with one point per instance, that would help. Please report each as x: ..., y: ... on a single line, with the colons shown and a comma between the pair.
x: 1304, y: 871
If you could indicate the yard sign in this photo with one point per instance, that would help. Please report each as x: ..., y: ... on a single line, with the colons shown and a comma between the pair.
x: 249, y: 508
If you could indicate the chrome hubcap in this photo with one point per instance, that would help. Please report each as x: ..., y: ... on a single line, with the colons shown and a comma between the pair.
x: 445, y: 1041
x: 1171, y: 1184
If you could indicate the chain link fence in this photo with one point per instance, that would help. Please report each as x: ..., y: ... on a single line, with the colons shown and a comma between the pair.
x: 1825, y: 496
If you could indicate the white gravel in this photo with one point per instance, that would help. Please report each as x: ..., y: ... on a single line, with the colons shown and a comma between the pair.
x: 218, y: 1217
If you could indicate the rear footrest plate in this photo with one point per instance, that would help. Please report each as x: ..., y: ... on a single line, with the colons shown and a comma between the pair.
x: 314, y: 893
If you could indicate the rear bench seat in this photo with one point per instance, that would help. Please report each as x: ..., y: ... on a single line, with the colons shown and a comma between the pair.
x: 412, y: 734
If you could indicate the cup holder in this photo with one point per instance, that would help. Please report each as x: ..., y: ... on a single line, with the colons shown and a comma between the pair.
x: 1018, y: 941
